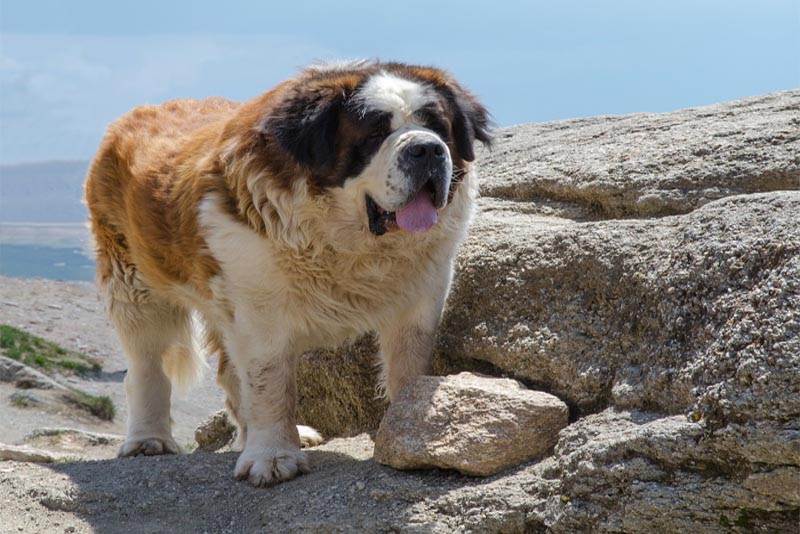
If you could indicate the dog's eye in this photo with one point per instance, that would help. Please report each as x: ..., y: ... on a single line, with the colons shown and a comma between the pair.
x: 433, y: 121
x: 376, y: 134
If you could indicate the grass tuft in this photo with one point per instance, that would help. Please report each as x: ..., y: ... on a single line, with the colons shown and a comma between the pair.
x: 37, y: 352
x: 102, y: 407
x: 46, y: 356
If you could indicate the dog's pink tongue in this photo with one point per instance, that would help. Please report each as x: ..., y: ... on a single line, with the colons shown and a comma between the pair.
x: 418, y: 215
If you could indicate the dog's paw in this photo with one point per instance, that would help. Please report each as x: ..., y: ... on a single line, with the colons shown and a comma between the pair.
x: 309, y: 437
x: 265, y: 467
x: 148, y: 447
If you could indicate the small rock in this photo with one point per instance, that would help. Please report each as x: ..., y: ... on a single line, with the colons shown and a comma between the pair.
x: 215, y: 432
x: 60, y: 501
x: 25, y: 377
x: 22, y: 453
x: 476, y: 425
x: 84, y: 436
x: 24, y: 399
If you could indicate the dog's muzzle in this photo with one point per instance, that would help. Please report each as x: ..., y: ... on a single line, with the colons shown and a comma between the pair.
x: 425, y: 162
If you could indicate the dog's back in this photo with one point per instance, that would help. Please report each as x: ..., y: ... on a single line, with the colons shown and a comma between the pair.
x: 134, y: 181
x: 132, y: 188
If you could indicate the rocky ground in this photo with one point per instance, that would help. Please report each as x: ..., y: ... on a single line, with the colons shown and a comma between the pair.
x: 643, y: 269
x: 72, y: 315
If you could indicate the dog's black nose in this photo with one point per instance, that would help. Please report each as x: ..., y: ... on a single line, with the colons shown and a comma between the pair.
x: 425, y: 161
x: 429, y: 151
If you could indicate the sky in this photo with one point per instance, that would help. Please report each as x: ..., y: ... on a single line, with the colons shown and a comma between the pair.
x: 68, y: 68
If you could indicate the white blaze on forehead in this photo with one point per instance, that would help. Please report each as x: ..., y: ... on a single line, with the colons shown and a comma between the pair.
x: 395, y: 95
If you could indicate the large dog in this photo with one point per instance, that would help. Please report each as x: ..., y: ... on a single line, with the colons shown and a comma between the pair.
x: 329, y: 206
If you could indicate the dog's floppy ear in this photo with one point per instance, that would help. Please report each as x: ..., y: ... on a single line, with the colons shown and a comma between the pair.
x: 470, y: 121
x: 305, y: 124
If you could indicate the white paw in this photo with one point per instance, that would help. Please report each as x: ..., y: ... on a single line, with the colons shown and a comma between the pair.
x: 148, y: 447
x: 268, y: 466
x: 308, y: 436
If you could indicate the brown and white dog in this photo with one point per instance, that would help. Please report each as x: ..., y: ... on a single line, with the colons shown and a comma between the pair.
x: 329, y: 206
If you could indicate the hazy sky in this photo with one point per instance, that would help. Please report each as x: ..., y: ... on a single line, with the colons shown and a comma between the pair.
x: 68, y: 68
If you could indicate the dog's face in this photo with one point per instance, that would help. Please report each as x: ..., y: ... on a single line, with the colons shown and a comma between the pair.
x: 392, y: 138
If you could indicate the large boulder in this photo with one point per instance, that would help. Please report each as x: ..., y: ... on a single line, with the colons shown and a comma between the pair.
x: 631, y: 471
x: 695, y: 314
x: 646, y: 164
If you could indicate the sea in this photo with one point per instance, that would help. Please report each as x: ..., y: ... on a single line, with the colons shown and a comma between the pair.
x: 43, y: 250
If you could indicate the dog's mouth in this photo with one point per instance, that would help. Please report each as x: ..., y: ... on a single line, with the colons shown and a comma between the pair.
x: 417, y: 215
x: 380, y: 220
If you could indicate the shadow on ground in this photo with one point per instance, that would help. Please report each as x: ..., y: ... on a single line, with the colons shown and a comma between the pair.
x: 346, y: 492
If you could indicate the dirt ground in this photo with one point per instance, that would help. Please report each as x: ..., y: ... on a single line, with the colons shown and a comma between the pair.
x: 195, y: 493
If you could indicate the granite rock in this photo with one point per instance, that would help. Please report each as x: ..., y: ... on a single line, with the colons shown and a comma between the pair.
x: 475, y: 425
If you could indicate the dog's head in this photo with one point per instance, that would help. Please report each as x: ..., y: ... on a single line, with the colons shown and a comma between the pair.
x: 398, y: 137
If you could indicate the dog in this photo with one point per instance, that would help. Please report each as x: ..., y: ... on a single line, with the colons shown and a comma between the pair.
x: 327, y: 207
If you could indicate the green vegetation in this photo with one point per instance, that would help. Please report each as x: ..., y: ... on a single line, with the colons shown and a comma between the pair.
x: 36, y: 352
x: 102, y: 407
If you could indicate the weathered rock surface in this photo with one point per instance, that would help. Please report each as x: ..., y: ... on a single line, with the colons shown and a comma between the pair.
x: 648, y: 263
x: 641, y: 472
x: 616, y: 471
x: 552, y: 287
x: 475, y: 425
x: 75, y: 444
x: 25, y: 398
x: 337, y: 393
x: 647, y: 164
x: 697, y: 313
x: 74, y: 435
x: 47, y: 445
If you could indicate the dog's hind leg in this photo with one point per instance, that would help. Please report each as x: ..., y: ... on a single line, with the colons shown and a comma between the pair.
x: 151, y: 329
x: 226, y: 377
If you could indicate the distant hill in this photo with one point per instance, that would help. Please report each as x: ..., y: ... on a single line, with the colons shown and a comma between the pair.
x: 48, y: 192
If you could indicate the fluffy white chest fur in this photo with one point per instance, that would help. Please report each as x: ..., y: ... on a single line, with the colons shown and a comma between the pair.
x: 321, y: 296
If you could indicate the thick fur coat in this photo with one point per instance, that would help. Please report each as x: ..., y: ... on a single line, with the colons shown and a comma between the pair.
x: 329, y: 206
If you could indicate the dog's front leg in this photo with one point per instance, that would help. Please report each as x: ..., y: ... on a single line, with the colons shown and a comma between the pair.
x: 407, y: 342
x: 266, y: 368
